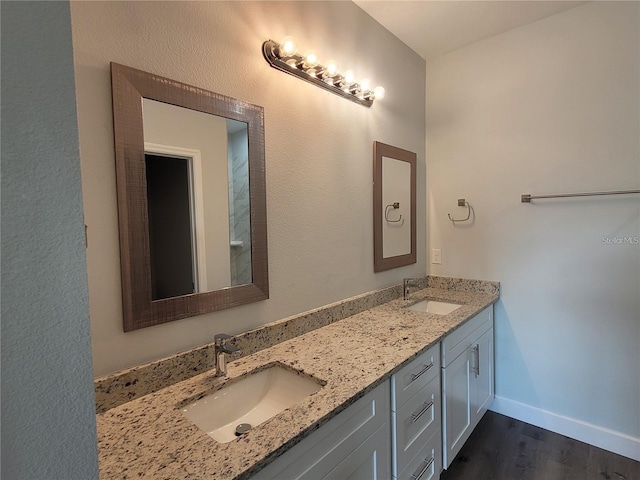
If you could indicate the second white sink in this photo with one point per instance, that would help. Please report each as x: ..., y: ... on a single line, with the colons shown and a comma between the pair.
x: 249, y: 401
x: 434, y: 306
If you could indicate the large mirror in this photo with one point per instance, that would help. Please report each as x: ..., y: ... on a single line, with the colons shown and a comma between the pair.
x: 191, y: 199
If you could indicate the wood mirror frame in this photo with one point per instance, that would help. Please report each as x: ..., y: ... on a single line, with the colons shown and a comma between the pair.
x: 129, y: 87
x: 381, y: 263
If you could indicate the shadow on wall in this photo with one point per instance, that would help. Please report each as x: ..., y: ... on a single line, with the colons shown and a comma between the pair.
x: 509, y: 361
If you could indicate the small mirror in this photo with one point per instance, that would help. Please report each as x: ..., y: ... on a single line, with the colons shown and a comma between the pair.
x: 191, y: 199
x: 394, y: 207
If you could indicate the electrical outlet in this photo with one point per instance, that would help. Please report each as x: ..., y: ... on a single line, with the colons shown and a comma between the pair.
x: 436, y: 256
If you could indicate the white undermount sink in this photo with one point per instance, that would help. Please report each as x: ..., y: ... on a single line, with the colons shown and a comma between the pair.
x: 249, y: 401
x: 434, y: 306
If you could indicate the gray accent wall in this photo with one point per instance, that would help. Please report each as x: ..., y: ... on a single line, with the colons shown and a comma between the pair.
x: 318, y: 151
x: 48, y: 416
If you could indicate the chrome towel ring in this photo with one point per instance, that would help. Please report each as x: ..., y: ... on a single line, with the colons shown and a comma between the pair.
x: 461, y: 203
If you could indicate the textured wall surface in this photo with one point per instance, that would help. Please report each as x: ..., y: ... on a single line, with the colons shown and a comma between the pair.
x: 551, y: 107
x: 319, y: 150
x: 48, y: 421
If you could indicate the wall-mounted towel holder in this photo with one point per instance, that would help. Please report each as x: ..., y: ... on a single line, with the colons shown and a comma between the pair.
x: 461, y: 203
x: 526, y: 198
x: 394, y: 206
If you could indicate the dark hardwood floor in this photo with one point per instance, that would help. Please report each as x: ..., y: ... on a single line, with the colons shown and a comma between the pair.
x: 501, y: 448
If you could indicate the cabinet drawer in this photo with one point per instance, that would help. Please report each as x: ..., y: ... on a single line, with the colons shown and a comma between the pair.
x: 427, y: 463
x: 416, y: 421
x: 459, y: 340
x: 357, y: 440
x: 414, y: 376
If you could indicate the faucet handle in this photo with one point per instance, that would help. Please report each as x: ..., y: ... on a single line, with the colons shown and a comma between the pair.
x: 221, y: 338
x: 222, y: 349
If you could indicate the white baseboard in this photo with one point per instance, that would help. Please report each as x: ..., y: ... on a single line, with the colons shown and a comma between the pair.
x: 595, y: 435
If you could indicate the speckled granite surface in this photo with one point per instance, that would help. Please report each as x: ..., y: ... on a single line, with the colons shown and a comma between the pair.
x: 124, y: 386
x: 149, y: 437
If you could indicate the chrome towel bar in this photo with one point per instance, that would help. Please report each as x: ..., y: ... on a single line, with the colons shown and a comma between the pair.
x: 526, y: 198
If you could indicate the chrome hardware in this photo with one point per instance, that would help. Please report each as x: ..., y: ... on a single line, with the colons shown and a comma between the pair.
x: 476, y: 360
x: 243, y: 428
x: 395, y: 206
x: 222, y: 349
x: 418, y: 476
x: 416, y: 416
x: 415, y: 376
x: 526, y: 198
x: 407, y: 283
x: 461, y: 203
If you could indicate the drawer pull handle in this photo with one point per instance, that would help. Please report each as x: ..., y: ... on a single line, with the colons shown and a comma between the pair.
x: 416, y: 416
x: 415, y: 376
x: 418, y: 476
x: 476, y: 354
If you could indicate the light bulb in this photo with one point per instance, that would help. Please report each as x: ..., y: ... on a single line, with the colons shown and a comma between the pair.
x: 379, y: 92
x: 349, y: 77
x: 365, y: 85
x: 310, y: 58
x: 331, y: 69
x: 287, y: 47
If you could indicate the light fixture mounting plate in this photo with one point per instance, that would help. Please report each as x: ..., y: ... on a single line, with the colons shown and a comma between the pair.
x: 269, y: 49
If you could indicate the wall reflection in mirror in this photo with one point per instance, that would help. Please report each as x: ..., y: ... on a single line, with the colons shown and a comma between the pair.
x: 198, y: 200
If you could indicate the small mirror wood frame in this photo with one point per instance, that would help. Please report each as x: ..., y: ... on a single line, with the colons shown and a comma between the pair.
x: 381, y: 263
x: 129, y: 87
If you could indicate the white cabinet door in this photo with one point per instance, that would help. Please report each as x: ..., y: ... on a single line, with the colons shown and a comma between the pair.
x: 456, y: 412
x: 482, y: 379
x: 467, y: 381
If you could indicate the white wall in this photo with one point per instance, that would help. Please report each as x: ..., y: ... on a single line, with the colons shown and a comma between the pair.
x: 48, y: 412
x: 396, y: 188
x: 550, y: 107
x: 319, y: 150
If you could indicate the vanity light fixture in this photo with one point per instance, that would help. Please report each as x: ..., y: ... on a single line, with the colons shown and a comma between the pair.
x: 284, y: 57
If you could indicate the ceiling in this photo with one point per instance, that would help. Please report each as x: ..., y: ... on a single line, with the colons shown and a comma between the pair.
x: 433, y: 28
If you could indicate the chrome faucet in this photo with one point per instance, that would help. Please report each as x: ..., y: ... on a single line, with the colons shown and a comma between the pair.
x: 411, y: 282
x: 222, y: 349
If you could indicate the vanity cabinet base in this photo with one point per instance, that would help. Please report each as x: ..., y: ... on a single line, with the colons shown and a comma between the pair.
x: 467, y: 381
x: 353, y: 445
x: 408, y: 428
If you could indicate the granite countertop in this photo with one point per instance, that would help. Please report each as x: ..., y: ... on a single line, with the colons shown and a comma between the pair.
x: 150, y: 437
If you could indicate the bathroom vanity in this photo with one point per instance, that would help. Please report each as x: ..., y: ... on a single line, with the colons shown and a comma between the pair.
x: 377, y: 414
x: 360, y: 443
